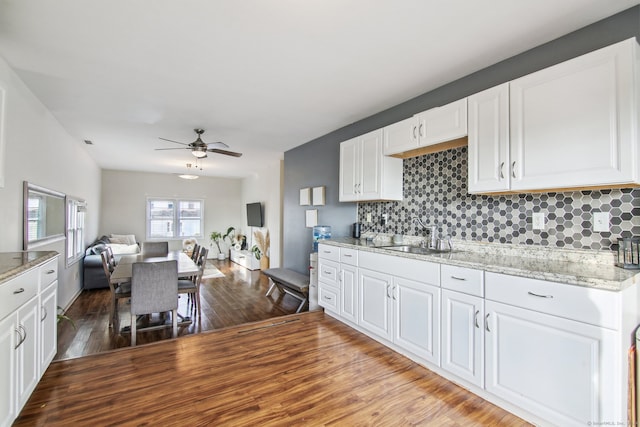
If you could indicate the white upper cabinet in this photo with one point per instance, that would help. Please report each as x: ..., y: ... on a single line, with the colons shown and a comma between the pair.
x: 489, y: 140
x: 572, y: 125
x: 428, y: 128
x: 365, y: 174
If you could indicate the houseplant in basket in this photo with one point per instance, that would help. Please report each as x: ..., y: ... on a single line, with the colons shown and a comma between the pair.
x: 216, y: 237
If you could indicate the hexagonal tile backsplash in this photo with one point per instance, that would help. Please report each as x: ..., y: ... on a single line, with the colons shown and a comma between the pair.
x: 435, y: 188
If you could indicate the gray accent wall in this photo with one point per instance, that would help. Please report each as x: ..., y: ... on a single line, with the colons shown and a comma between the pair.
x: 316, y: 162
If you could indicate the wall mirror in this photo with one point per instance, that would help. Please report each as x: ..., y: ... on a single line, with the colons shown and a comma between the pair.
x: 43, y: 216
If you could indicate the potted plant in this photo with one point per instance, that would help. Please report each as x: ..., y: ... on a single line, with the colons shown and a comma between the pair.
x: 216, y: 237
x: 229, y: 235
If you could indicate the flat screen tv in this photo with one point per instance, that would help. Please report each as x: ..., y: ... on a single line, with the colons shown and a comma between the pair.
x: 254, y: 214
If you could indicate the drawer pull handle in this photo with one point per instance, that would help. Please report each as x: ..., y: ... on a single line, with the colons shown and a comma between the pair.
x: 19, y: 291
x: 347, y: 255
x: 328, y: 298
x: 458, y: 278
x: 476, y: 319
x: 486, y: 322
x: 328, y: 273
x: 539, y: 296
x: 51, y: 271
x: 326, y: 252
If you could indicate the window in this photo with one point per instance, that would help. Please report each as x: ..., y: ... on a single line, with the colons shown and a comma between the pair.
x: 76, y: 210
x: 173, y: 219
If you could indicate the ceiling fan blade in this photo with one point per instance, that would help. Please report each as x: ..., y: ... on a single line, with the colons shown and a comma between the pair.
x: 180, y: 148
x: 170, y: 140
x: 218, y: 144
x: 225, y: 152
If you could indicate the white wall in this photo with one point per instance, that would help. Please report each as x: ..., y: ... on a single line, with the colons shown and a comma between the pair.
x: 124, y: 196
x: 265, y: 186
x: 39, y: 150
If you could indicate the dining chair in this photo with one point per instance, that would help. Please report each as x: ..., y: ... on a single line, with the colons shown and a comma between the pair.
x: 195, y: 252
x: 154, y: 289
x: 191, y: 286
x: 118, y: 291
x: 152, y: 249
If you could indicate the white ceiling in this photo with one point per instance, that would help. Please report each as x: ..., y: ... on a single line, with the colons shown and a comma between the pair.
x: 263, y: 76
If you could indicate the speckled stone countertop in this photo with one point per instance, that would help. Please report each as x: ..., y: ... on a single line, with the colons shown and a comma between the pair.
x: 14, y: 263
x: 594, y: 269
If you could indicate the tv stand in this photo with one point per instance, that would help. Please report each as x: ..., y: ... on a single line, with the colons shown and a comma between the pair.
x: 246, y: 259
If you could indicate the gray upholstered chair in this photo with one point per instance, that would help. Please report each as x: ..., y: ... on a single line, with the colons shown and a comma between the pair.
x: 192, y: 286
x: 151, y: 249
x: 154, y: 289
x: 118, y: 291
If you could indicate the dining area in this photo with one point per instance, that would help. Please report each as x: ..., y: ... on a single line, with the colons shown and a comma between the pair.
x: 150, y: 284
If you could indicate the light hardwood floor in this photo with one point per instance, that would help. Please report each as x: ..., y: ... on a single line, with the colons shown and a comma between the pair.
x: 298, y: 370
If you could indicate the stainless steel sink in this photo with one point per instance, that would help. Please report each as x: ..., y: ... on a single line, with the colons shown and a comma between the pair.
x: 413, y: 249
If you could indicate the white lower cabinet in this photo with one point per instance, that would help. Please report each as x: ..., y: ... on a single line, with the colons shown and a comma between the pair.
x: 48, y: 325
x: 8, y: 340
x: 375, y: 308
x: 28, y: 360
x: 349, y: 292
x: 559, y: 369
x: 416, y: 325
x: 463, y: 336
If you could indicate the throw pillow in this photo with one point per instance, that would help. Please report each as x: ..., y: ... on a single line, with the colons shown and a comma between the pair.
x: 123, y: 239
x: 121, y: 249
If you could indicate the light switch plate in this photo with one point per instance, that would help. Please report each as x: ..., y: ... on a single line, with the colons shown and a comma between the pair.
x: 601, y: 222
x: 538, y: 220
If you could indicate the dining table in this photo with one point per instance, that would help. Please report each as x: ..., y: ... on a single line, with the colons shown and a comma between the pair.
x: 122, y: 271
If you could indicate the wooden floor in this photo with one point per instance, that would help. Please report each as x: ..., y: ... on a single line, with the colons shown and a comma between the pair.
x: 302, y: 369
x: 235, y: 299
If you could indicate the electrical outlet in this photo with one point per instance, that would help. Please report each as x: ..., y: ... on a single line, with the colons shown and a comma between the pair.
x: 383, y: 220
x: 538, y: 220
x: 368, y: 216
x: 601, y: 222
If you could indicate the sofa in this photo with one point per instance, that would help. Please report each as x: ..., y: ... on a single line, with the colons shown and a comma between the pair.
x: 93, y: 276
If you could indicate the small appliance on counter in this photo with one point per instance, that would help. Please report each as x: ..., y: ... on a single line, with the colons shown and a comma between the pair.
x: 629, y: 253
x: 357, y: 227
x: 320, y: 232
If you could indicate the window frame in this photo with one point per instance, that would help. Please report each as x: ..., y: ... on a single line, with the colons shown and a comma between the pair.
x: 176, y: 217
x: 75, y: 217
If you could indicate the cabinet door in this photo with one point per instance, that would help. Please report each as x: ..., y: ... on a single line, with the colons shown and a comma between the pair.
x: 27, y: 353
x: 8, y: 340
x: 374, y: 310
x: 574, y: 124
x: 443, y: 123
x: 463, y: 336
x: 417, y: 318
x: 371, y: 173
x: 349, y: 170
x: 48, y: 326
x: 489, y: 165
x: 558, y: 369
x: 401, y: 136
x: 349, y: 293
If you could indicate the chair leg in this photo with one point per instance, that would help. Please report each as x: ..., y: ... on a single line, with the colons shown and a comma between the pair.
x: 174, y: 318
x: 271, y: 288
x: 112, y: 309
x: 197, y: 299
x: 134, y: 320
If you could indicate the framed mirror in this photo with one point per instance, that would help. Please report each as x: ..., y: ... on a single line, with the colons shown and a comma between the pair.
x: 43, y: 216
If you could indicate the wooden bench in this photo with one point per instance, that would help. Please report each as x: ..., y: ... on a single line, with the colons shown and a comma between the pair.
x: 290, y: 282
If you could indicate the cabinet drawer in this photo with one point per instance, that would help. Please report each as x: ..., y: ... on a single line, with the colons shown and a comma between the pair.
x: 414, y: 269
x: 588, y: 305
x: 48, y: 273
x: 461, y: 279
x: 328, y: 297
x: 331, y: 253
x: 328, y: 272
x: 349, y: 256
x: 18, y: 291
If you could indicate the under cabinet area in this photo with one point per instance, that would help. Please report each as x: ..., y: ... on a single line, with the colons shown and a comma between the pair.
x: 28, y: 330
x: 572, y: 125
x: 365, y: 173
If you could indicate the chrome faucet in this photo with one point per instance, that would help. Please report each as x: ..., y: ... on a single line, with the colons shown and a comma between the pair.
x: 432, y: 230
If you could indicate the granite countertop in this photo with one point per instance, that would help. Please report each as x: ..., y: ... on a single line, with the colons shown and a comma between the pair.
x: 594, y: 269
x: 14, y: 263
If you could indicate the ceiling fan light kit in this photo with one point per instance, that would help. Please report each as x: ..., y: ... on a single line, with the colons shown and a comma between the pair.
x: 188, y: 175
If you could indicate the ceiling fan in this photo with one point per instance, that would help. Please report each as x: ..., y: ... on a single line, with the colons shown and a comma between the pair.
x: 199, y: 148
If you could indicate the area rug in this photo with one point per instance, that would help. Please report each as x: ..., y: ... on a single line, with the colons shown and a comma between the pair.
x: 211, y: 273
